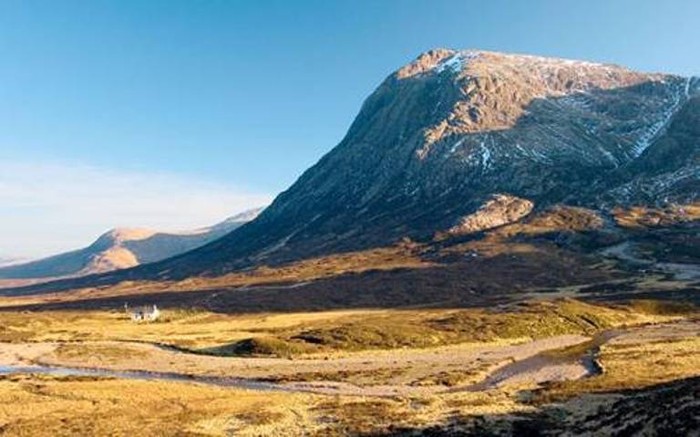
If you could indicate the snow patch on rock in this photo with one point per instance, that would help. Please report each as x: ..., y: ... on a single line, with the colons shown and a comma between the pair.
x: 485, y: 155
x: 456, y: 62
x: 658, y: 128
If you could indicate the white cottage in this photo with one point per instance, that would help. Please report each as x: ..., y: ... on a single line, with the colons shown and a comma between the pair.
x: 145, y: 313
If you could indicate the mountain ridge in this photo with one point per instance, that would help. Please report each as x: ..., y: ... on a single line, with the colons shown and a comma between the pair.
x: 442, y: 135
x: 121, y: 248
x: 567, y: 120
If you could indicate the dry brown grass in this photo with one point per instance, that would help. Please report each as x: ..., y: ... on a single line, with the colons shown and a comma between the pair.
x: 182, y: 328
x: 46, y: 406
x: 459, y: 377
x: 632, y: 366
x: 71, y: 406
x: 297, y: 334
x: 403, y: 255
x: 36, y: 405
x: 561, y: 218
x: 642, y: 217
x: 428, y: 328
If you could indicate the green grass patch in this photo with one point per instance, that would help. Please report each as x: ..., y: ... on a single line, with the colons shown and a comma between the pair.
x: 260, y: 346
x: 535, y: 320
x: 376, y: 334
x: 529, y: 320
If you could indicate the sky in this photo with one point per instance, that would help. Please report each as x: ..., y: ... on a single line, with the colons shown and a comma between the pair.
x: 176, y: 114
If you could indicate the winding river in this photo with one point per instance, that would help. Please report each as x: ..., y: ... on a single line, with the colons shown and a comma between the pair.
x: 547, y: 365
x: 250, y: 384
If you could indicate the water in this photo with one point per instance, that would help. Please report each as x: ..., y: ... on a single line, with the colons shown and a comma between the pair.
x: 140, y: 375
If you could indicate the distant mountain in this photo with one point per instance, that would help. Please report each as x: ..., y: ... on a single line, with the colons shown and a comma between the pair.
x: 457, y: 133
x: 6, y: 261
x: 123, y: 248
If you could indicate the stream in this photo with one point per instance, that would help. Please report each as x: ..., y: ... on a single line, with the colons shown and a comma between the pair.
x: 515, y: 369
x: 548, y: 365
x: 250, y: 384
x: 626, y: 252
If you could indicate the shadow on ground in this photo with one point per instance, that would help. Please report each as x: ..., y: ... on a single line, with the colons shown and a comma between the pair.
x: 467, y: 283
x: 669, y: 409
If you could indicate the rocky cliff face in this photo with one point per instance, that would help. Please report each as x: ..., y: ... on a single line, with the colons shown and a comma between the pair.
x: 498, y: 211
x: 443, y: 134
x: 667, y: 171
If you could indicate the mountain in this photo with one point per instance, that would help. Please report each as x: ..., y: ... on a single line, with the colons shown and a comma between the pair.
x: 8, y: 261
x: 445, y: 133
x: 123, y: 248
x: 460, y: 132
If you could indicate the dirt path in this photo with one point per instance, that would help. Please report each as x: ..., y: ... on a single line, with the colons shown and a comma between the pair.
x: 626, y: 252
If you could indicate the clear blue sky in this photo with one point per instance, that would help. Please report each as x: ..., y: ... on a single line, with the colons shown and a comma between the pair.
x: 245, y: 95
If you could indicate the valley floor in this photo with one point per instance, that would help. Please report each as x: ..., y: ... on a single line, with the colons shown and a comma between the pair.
x: 65, y: 378
x: 516, y: 333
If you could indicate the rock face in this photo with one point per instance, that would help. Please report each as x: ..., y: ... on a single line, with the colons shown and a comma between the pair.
x: 667, y: 171
x: 443, y: 134
x: 500, y: 210
x: 123, y: 248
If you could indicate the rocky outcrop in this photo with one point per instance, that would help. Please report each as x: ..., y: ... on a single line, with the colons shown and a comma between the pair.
x: 501, y: 210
